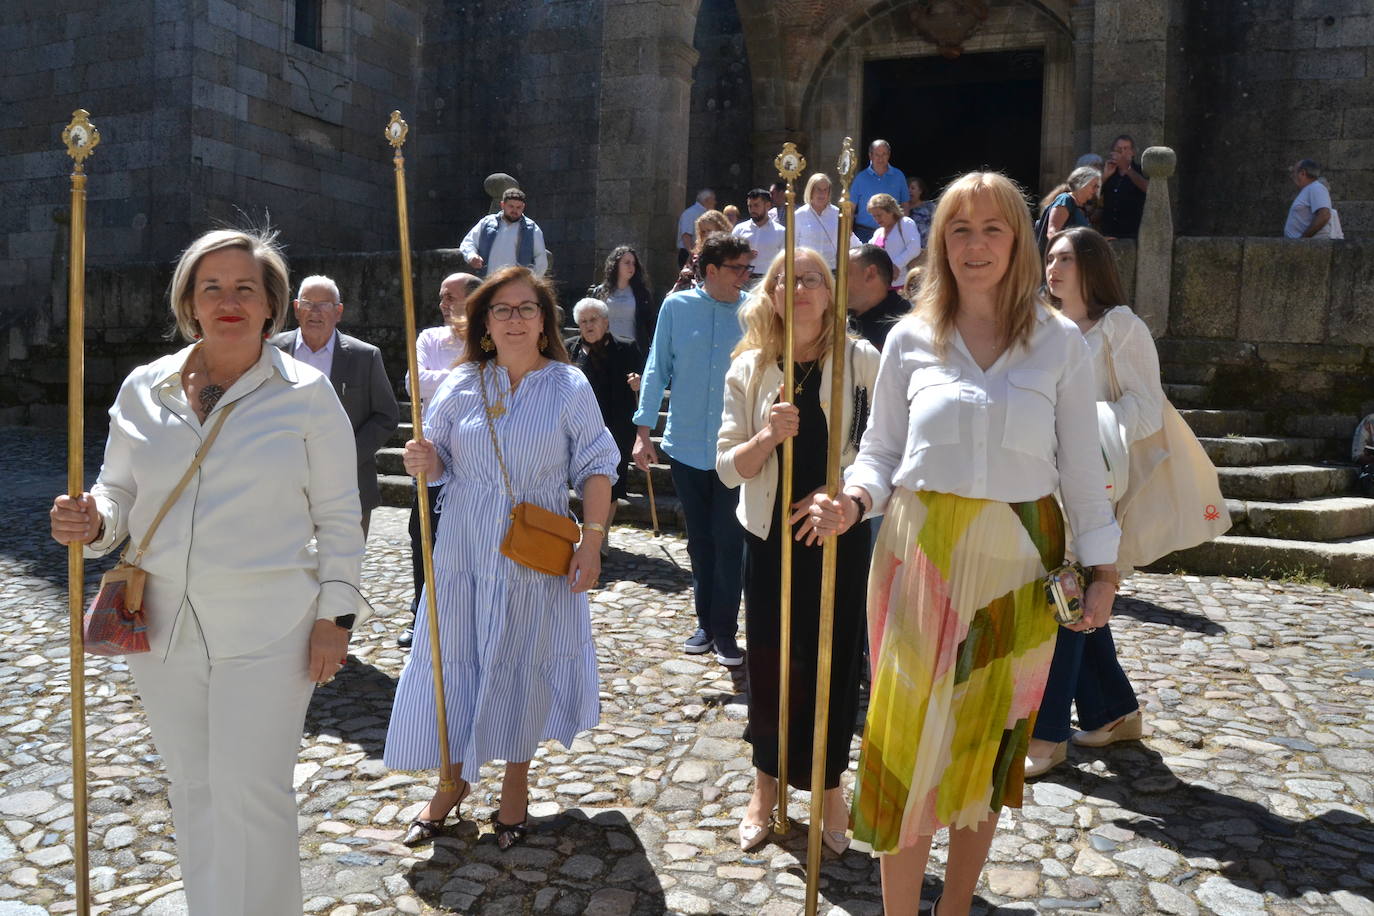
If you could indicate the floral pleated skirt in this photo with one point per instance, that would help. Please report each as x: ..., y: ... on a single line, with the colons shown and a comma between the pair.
x: 961, y: 638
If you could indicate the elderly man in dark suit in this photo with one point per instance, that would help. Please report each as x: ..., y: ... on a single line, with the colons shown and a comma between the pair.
x: 356, y: 370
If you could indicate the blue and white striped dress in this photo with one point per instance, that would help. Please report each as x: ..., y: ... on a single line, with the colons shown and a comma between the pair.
x: 519, y: 662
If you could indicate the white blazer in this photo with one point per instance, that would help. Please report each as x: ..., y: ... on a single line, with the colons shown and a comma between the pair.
x: 750, y: 393
x: 266, y: 533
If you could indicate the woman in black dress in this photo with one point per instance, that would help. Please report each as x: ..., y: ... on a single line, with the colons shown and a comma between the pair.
x: 613, y: 365
x: 757, y: 419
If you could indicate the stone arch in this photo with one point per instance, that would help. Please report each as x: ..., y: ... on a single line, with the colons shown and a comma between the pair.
x: 807, y: 58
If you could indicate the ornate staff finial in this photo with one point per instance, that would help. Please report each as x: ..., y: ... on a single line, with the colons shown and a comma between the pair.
x: 396, y: 130
x: 790, y: 162
x: 848, y: 163
x: 81, y: 137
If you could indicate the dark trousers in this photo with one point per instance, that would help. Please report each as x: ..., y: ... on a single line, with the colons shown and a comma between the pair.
x: 1084, y: 673
x: 715, y: 542
x: 864, y: 233
x: 417, y: 563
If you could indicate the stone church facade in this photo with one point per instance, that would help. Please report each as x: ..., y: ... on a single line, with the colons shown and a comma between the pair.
x: 612, y: 112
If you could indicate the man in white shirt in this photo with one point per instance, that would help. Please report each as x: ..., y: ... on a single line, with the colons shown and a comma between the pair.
x: 765, y: 235
x: 437, y: 350
x: 687, y: 223
x: 509, y: 237
x: 354, y: 368
x: 1310, y: 215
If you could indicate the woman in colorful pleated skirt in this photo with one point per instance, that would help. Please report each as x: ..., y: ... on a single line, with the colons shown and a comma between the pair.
x: 983, y: 408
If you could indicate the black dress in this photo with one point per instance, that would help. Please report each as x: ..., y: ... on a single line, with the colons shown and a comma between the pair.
x: 762, y: 579
x: 606, y: 363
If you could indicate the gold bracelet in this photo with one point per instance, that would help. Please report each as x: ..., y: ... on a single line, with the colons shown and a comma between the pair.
x: 594, y: 526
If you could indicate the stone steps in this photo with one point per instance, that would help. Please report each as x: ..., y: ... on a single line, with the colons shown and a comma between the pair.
x: 1333, y: 518
x: 1285, y: 481
x: 1219, y: 424
x: 1347, y: 562
x: 1244, y: 451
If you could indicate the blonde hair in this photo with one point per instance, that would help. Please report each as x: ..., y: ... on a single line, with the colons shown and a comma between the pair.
x: 1018, y: 294
x: 709, y: 222
x: 262, y: 244
x: 887, y: 203
x: 815, y: 179
x: 762, y: 325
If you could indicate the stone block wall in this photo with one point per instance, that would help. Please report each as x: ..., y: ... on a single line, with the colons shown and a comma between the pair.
x: 1270, y: 82
x: 720, y: 148
x: 1270, y: 324
x: 511, y: 87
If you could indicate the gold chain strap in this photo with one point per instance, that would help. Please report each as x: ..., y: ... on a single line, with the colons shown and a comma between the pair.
x: 491, y: 428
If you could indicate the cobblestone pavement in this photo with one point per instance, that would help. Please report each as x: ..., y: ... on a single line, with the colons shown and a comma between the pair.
x: 1252, y: 794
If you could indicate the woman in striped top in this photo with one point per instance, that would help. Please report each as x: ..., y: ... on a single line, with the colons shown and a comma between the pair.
x: 519, y: 662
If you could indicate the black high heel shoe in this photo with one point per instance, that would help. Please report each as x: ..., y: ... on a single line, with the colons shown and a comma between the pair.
x: 422, y: 831
x: 508, y: 836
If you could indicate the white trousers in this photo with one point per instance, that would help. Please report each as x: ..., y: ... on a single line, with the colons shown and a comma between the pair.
x: 229, y: 731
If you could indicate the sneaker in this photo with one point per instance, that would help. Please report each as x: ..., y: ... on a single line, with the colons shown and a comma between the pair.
x: 406, y: 638
x: 698, y: 643
x: 728, y: 652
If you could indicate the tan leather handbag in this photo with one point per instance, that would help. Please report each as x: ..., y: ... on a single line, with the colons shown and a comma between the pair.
x: 537, y: 538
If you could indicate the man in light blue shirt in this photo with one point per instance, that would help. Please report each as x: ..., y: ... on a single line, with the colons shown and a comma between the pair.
x: 690, y: 354
x: 879, y: 178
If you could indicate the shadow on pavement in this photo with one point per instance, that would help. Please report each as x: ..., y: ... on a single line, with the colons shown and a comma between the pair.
x: 1149, y: 612
x: 355, y: 706
x: 595, y: 864
x: 1253, y: 847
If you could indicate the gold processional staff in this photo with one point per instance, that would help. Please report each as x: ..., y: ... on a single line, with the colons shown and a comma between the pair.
x: 81, y: 138
x: 790, y: 165
x: 830, y: 545
x: 396, y: 130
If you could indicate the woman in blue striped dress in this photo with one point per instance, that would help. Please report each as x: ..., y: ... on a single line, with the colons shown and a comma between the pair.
x: 519, y: 662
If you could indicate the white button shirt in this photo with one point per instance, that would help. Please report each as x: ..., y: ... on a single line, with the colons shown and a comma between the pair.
x: 1014, y: 433
x: 266, y: 533
x: 820, y: 232
x: 766, y: 241
x: 321, y: 359
x: 437, y: 351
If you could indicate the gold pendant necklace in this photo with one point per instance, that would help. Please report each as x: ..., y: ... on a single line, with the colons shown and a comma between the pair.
x: 797, y: 388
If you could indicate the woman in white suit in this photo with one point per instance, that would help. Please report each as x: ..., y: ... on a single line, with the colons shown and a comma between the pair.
x: 252, y: 576
x: 818, y: 222
x: 758, y: 417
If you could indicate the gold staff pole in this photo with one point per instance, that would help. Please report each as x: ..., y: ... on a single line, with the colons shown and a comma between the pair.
x: 396, y: 130
x: 789, y: 164
x: 81, y: 138
x: 830, y: 546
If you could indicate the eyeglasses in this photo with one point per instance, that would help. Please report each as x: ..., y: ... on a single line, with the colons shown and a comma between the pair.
x: 504, y: 312
x: 739, y: 269
x: 310, y: 305
x: 808, y: 280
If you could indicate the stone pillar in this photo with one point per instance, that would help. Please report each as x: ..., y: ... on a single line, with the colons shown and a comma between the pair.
x: 1154, y: 264
x: 645, y: 109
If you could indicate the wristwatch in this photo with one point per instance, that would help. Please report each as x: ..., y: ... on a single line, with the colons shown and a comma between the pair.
x: 346, y: 621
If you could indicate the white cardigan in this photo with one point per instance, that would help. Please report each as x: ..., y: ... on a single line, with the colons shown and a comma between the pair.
x: 750, y: 393
x: 270, y: 528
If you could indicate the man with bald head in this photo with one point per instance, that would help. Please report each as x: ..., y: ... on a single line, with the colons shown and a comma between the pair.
x: 437, y: 350
x: 356, y: 371
x: 881, y: 177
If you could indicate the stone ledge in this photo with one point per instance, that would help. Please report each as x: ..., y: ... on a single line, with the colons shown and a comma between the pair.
x: 1347, y: 563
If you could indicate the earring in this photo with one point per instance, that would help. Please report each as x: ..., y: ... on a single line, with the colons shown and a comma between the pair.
x: 487, y: 343
x: 543, y: 342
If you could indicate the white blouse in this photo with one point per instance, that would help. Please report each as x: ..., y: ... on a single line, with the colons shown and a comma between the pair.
x: 1013, y: 433
x: 820, y: 232
x: 1140, y: 409
x: 903, y: 246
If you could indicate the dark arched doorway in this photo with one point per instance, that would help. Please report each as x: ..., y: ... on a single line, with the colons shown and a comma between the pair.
x: 945, y: 117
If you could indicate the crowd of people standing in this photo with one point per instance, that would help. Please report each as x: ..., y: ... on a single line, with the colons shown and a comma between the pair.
x: 972, y: 470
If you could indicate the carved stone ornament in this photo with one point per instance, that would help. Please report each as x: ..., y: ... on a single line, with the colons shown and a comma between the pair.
x: 949, y: 23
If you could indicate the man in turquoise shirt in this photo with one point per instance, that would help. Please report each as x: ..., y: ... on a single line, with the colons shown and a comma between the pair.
x: 879, y: 178
x: 690, y: 354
